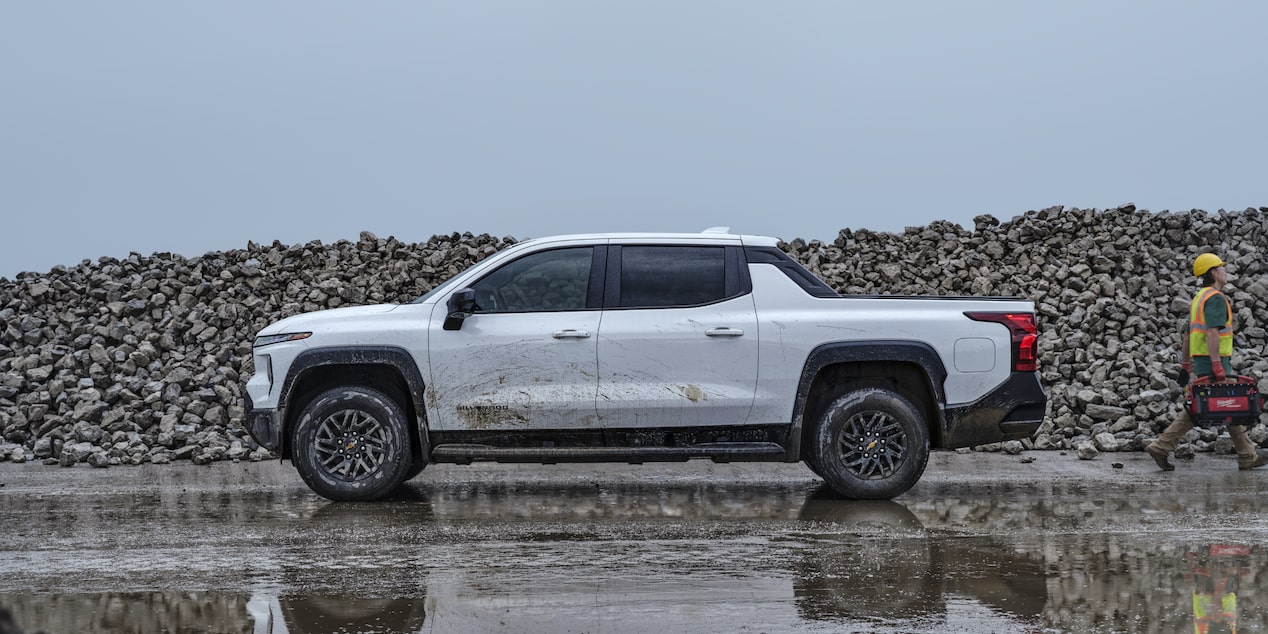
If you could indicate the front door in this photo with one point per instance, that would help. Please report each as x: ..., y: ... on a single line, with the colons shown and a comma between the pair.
x: 526, y: 358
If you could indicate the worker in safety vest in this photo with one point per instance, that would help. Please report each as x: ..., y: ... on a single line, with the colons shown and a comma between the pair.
x: 1207, y: 351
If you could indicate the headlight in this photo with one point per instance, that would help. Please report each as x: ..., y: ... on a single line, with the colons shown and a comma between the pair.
x: 268, y: 340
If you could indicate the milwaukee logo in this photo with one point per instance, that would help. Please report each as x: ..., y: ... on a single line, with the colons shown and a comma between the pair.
x: 1223, y: 404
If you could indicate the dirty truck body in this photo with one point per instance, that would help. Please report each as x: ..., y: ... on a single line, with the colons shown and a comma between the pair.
x: 640, y: 348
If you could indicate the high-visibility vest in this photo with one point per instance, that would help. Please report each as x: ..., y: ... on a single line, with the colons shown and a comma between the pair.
x: 1198, y: 326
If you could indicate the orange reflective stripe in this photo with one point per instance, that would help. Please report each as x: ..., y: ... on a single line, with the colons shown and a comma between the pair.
x: 1197, y: 314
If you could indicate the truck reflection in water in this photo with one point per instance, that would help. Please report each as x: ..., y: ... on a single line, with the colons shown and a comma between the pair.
x: 633, y: 556
x: 870, y: 564
x: 223, y: 613
x: 895, y: 572
x: 323, y: 614
x: 547, y: 558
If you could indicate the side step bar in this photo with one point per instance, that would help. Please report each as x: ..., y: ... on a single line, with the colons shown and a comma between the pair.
x: 719, y: 452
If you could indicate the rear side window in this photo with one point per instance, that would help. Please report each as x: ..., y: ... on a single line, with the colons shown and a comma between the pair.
x: 661, y: 276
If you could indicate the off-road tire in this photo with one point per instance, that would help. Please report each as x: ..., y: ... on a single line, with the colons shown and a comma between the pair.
x: 870, y: 444
x: 352, y: 443
x: 808, y: 458
x: 416, y: 468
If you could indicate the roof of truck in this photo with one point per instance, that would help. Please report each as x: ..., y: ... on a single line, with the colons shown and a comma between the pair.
x: 717, y: 233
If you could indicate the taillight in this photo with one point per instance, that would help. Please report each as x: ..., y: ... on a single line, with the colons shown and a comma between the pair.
x: 1025, y: 337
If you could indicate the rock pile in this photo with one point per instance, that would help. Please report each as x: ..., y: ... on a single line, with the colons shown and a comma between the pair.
x: 143, y: 359
x: 1111, y: 290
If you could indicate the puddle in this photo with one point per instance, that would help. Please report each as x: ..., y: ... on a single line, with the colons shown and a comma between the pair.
x: 609, y: 555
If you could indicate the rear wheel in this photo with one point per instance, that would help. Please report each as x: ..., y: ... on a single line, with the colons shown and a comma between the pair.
x: 870, y: 444
x: 351, y: 443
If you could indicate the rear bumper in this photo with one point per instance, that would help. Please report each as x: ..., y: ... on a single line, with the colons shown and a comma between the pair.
x: 264, y: 425
x: 1013, y: 411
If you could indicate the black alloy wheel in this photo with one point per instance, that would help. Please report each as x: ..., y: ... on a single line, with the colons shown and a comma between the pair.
x: 873, y: 445
x: 870, y: 443
x: 352, y: 443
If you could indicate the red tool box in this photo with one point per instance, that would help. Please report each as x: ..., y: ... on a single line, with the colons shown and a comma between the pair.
x: 1236, y: 401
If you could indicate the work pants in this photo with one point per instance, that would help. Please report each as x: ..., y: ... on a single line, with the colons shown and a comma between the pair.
x: 1247, y: 452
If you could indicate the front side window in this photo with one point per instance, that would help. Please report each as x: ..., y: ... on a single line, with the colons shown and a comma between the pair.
x: 659, y: 276
x: 539, y: 282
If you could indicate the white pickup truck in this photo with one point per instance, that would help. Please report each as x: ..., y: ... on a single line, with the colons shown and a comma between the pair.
x: 639, y: 348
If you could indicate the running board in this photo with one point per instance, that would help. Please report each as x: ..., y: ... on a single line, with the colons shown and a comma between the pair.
x: 719, y: 452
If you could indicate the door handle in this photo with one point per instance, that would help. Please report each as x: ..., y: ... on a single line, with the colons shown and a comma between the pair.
x: 724, y: 332
x: 571, y: 334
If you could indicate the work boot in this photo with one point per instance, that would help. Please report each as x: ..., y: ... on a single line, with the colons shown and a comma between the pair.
x: 1160, y: 457
x: 1260, y: 461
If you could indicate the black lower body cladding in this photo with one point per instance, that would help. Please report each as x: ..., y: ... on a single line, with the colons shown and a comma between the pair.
x: 1012, y: 411
x: 264, y: 425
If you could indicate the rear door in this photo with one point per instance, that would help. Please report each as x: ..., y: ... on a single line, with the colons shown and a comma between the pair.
x: 678, y: 342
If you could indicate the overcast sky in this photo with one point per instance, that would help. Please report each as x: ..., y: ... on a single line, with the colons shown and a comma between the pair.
x: 197, y: 126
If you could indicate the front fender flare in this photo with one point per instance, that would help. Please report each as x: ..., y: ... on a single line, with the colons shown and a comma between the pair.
x: 396, y: 358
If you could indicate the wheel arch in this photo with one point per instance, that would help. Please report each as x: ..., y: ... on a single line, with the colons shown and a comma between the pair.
x: 389, y: 369
x: 913, y: 369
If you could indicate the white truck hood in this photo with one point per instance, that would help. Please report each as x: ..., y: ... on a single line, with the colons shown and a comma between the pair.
x: 313, y: 321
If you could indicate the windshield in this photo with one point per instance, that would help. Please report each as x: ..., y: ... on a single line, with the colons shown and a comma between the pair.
x: 447, y: 285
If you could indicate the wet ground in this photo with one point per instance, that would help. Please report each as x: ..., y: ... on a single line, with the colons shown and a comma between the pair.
x: 985, y: 543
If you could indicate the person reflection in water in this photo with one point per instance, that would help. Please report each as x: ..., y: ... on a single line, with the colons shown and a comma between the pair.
x: 1216, y: 573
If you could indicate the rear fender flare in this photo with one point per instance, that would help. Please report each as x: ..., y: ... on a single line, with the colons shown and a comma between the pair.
x: 916, y: 353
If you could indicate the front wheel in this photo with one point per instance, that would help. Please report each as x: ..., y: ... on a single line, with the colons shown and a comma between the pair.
x: 871, y: 444
x: 351, y: 443
x: 415, y: 469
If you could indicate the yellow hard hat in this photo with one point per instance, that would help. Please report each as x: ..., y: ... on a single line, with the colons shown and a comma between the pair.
x: 1206, y: 262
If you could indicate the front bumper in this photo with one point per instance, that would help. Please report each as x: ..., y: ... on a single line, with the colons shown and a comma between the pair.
x: 264, y: 425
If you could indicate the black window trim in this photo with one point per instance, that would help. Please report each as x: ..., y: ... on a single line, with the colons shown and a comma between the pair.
x: 736, y: 280
x: 791, y: 268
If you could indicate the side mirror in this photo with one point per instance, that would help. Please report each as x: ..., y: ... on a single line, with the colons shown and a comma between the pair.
x: 461, y: 304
